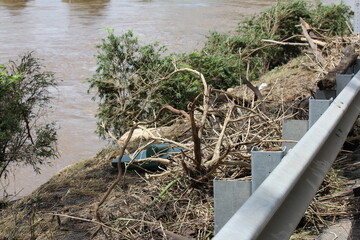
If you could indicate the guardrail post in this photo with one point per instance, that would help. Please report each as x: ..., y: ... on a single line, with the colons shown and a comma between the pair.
x: 325, y: 94
x: 293, y: 130
x: 342, y: 80
x: 262, y: 164
x: 316, y: 108
x: 229, y: 196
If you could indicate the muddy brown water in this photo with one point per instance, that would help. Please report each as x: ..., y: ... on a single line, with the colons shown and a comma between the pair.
x: 64, y: 34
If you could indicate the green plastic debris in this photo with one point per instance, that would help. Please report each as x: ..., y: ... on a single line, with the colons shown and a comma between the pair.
x: 156, y: 150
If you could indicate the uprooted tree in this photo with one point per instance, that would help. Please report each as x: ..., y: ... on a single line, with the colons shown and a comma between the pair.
x: 25, y: 136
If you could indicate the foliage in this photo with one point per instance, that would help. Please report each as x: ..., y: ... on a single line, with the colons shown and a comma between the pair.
x: 25, y: 138
x: 133, y: 81
x: 221, y: 71
x: 124, y: 78
x: 226, y: 57
x: 279, y: 23
x: 332, y: 19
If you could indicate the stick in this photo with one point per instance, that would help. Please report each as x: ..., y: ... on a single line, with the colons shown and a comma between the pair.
x: 237, y: 163
x: 153, y: 159
x: 195, y: 134
x: 207, y: 91
x: 88, y: 220
x: 313, y: 46
x: 317, y: 42
x: 214, y: 166
x: 285, y: 43
x: 152, y: 136
x: 256, y: 91
x: 216, y: 154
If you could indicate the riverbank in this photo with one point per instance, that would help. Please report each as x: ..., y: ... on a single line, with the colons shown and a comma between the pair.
x: 163, y: 204
x: 215, y: 131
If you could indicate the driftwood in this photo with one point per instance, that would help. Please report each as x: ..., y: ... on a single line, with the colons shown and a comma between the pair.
x: 317, y: 42
x: 305, y: 28
x: 256, y: 91
x: 226, y: 96
x: 349, y: 58
x: 284, y: 43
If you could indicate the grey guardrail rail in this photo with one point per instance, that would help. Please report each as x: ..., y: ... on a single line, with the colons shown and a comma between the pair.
x: 274, y: 210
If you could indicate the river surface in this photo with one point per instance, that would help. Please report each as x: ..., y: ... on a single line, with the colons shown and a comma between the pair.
x: 64, y: 33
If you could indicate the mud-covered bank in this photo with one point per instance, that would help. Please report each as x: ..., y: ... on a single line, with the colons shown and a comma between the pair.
x: 63, y: 208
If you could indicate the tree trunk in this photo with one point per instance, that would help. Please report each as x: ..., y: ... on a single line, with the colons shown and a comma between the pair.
x: 349, y: 59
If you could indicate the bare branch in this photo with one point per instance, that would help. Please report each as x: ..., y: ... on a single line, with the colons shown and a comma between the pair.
x: 285, y: 43
x: 216, y: 154
x: 313, y: 46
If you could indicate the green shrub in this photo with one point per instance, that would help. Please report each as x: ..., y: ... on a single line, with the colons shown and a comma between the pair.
x: 332, y: 19
x: 122, y: 68
x: 131, y: 79
x: 25, y: 137
x: 279, y: 23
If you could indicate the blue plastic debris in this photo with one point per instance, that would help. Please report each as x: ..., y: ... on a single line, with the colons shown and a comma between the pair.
x: 156, y: 150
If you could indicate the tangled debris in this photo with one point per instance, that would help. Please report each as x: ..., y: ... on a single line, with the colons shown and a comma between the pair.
x: 216, y: 133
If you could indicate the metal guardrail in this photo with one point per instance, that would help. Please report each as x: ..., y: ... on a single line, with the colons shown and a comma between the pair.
x: 274, y: 210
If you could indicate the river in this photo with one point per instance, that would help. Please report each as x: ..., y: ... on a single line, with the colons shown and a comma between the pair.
x: 64, y: 33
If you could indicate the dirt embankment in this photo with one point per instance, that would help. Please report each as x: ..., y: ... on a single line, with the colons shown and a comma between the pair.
x: 165, y: 204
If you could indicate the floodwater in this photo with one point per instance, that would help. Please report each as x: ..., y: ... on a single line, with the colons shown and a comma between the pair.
x: 64, y: 33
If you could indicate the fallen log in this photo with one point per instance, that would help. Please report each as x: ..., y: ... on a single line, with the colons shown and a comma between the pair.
x: 349, y: 59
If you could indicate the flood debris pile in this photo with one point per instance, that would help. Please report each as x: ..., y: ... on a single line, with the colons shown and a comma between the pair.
x: 215, y: 125
x: 218, y: 133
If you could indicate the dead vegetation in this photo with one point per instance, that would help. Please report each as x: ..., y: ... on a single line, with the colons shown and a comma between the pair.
x: 216, y: 135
